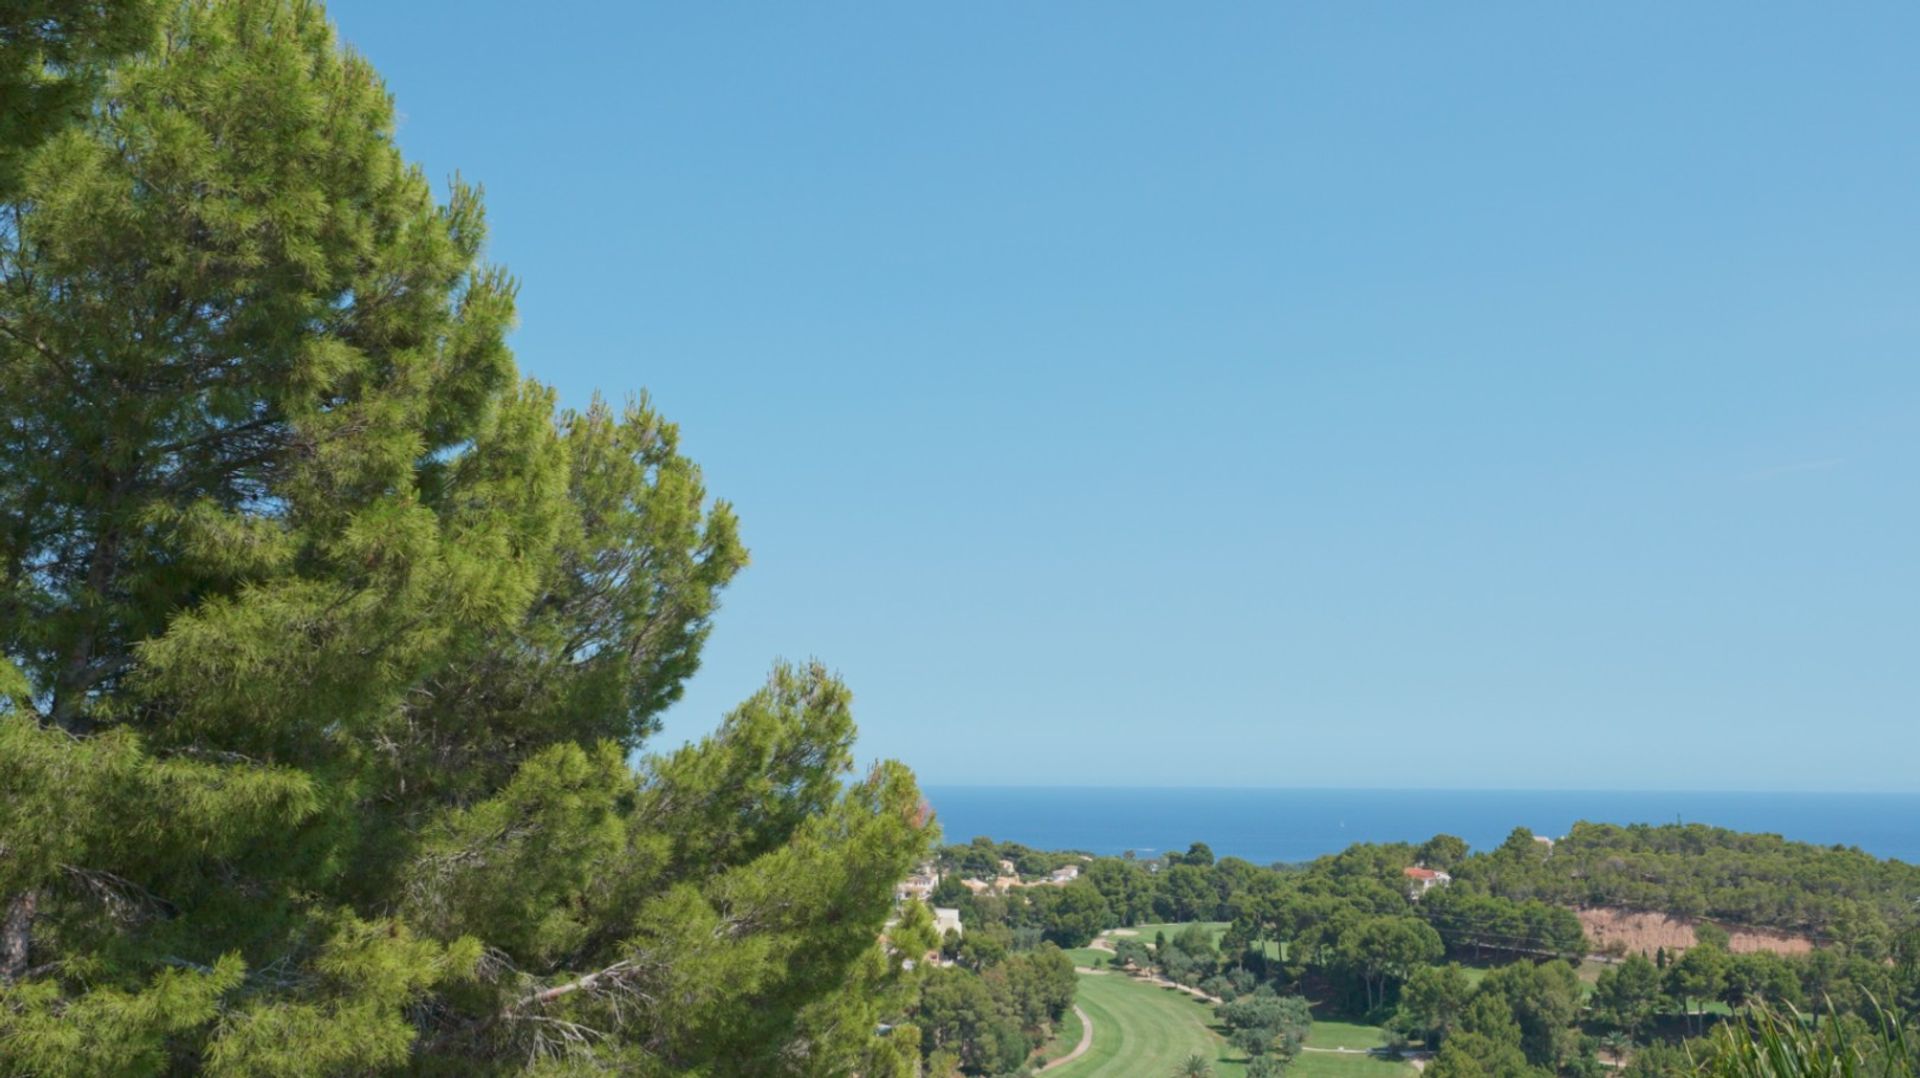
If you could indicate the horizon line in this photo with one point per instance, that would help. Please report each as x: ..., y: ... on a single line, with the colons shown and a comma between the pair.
x: 1416, y: 789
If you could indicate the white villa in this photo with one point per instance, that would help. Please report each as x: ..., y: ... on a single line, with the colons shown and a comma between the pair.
x: 1426, y: 878
x: 947, y: 919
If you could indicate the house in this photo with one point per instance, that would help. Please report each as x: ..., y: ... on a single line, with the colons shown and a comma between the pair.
x: 1064, y: 875
x: 918, y: 886
x: 1008, y: 868
x: 978, y: 887
x: 945, y: 920
x: 1426, y: 878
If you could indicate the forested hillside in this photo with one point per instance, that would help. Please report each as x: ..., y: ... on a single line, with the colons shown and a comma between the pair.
x: 1489, y: 969
x: 1834, y: 894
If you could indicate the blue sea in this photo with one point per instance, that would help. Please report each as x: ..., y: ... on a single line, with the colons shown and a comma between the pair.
x: 1266, y: 826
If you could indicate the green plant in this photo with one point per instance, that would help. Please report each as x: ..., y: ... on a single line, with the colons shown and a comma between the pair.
x: 1194, y: 1066
x: 1781, y: 1044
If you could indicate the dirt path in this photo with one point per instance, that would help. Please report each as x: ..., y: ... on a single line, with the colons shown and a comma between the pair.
x: 1086, y: 1042
x: 1156, y: 979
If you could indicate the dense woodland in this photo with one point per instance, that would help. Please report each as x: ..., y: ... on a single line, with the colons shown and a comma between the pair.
x: 1836, y: 894
x: 1485, y: 970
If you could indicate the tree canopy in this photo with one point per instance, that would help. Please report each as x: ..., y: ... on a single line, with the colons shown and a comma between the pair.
x: 327, y: 642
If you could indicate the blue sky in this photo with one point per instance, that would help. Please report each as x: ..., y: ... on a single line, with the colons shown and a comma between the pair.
x: 1289, y: 395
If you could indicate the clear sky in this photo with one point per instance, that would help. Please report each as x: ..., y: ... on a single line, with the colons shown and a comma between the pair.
x: 1506, y: 395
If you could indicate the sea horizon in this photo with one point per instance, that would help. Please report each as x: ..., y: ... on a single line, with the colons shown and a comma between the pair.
x: 1268, y: 824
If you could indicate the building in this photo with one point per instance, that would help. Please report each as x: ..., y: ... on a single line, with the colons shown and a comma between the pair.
x: 1426, y: 878
x: 918, y: 886
x: 1065, y: 874
x: 946, y: 919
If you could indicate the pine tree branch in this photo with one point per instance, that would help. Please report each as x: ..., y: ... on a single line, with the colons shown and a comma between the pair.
x: 548, y: 995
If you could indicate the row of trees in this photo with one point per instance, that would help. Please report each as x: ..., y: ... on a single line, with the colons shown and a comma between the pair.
x: 991, y: 1019
x: 1069, y: 916
x: 1630, y: 996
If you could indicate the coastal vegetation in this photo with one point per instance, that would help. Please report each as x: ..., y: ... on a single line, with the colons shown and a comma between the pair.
x: 330, y: 647
x: 332, y: 652
x: 1836, y: 895
x: 1477, y: 962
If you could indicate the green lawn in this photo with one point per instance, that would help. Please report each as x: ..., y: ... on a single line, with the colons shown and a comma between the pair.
x: 1090, y: 957
x: 1143, y: 1031
x: 1332, y: 1065
x: 1145, y: 933
x: 1332, y: 1034
x: 1065, y: 1039
x: 1588, y: 972
x: 1140, y: 1030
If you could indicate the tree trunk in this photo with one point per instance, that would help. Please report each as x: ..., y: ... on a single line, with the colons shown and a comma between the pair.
x: 16, y: 936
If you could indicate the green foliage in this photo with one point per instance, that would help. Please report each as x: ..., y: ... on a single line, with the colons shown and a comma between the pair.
x: 1194, y: 1066
x: 989, y: 1021
x: 1266, y: 1067
x: 1661, y: 1060
x: 327, y: 644
x: 1482, y: 924
x: 1434, y: 1000
x: 1131, y: 952
x: 1266, y: 1023
x: 1543, y: 1001
x: 1697, y: 977
x: 51, y: 56
x: 1383, y: 949
x: 1476, y: 1055
x: 1857, y: 900
x: 1072, y: 915
x: 1442, y: 852
x: 1187, y: 892
x: 110, y: 1030
x: 1626, y: 996
x: 1761, y: 977
x: 1779, y: 1044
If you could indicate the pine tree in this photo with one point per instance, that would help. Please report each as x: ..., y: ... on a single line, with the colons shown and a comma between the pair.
x: 326, y: 642
x: 51, y: 56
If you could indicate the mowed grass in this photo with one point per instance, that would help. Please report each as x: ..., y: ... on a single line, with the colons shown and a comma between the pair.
x: 1140, y: 1029
x: 1335, y: 1034
x: 1065, y: 1038
x: 1341, y: 1065
x: 1145, y: 1031
x: 1090, y: 957
x: 1146, y: 933
x: 1332, y: 1033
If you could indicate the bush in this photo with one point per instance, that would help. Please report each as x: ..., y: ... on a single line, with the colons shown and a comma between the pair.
x: 1782, y: 1045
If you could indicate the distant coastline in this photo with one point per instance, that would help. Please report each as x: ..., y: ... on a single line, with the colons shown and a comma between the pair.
x: 1287, y: 825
